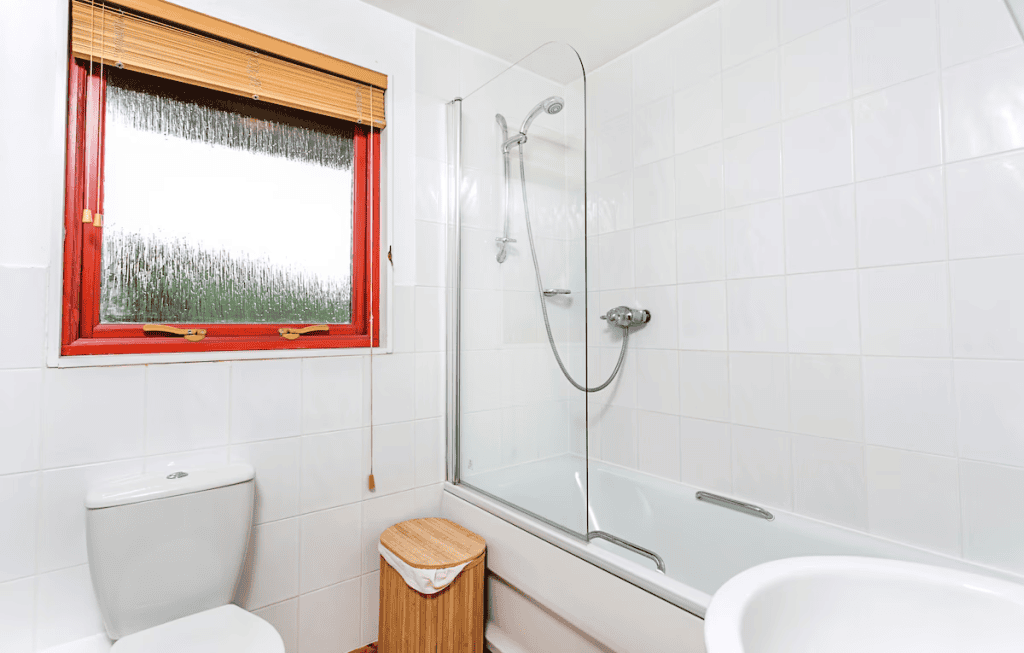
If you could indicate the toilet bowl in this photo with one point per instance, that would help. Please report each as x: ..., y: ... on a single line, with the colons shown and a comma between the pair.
x: 166, y: 553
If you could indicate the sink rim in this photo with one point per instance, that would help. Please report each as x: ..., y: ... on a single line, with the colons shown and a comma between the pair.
x: 722, y: 632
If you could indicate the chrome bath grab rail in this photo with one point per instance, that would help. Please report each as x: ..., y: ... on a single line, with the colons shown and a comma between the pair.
x: 733, y: 504
x: 639, y: 550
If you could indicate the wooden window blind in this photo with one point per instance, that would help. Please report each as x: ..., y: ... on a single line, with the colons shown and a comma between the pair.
x: 164, y: 40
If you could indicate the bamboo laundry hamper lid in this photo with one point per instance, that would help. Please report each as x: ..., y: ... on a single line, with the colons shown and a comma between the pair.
x: 432, y: 543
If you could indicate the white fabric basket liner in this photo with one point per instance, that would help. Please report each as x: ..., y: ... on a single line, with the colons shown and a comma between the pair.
x: 424, y: 581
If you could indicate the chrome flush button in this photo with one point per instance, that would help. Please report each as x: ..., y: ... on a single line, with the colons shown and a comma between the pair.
x: 176, y: 475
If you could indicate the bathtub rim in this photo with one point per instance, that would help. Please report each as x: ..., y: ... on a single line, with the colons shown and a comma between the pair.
x: 664, y: 587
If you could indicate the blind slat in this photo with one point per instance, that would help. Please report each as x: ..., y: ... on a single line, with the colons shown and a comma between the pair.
x: 109, y: 36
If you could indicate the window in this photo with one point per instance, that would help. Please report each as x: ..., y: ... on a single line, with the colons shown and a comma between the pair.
x: 203, y: 216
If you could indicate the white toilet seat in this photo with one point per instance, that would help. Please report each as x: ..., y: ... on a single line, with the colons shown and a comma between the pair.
x: 227, y: 629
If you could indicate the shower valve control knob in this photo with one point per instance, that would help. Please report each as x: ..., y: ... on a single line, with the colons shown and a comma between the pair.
x: 625, y: 317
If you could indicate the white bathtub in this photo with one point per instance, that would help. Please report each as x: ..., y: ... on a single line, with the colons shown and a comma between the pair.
x: 703, y: 545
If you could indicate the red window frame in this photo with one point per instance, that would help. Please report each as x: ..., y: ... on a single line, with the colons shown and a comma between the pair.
x: 81, y: 331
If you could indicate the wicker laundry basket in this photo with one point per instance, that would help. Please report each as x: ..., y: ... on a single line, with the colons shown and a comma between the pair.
x: 448, y: 621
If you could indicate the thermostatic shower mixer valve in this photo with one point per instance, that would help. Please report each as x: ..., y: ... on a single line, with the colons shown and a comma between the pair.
x: 625, y: 317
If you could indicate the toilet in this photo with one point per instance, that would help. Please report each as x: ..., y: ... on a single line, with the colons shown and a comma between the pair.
x: 166, y: 554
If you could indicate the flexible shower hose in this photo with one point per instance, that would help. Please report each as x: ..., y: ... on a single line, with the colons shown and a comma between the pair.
x: 543, y: 301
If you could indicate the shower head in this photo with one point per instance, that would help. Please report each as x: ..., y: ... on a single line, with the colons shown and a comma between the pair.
x: 551, y: 105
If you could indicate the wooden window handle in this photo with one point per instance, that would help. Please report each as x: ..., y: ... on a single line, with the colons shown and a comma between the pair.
x: 289, y: 333
x: 192, y: 335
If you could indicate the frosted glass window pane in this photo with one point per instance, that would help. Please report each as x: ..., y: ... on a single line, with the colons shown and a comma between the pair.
x: 221, y: 210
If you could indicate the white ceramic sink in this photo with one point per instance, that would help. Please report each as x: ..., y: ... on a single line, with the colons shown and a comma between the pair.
x: 863, y: 605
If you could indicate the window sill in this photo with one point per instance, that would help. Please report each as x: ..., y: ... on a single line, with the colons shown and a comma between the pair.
x: 114, y: 360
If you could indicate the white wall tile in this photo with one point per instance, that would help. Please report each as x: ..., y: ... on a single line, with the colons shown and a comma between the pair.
x: 657, y: 381
x: 66, y: 608
x: 753, y: 167
x: 329, y: 547
x: 430, y: 451
x: 430, y: 387
x: 750, y: 95
x: 900, y: 219
x: 828, y: 481
x: 17, y: 615
x: 908, y: 404
x: 266, y: 399
x: 898, y: 129
x: 799, y: 17
x: 61, y: 506
x: 275, y: 564
x: 823, y: 313
x: 186, y: 406
x: 379, y: 514
x: 393, y: 384
x: 993, y: 501
x: 430, y: 315
x: 821, y: 231
x: 393, y: 451
x: 653, y: 65
x: 894, y: 41
x: 654, y: 193
x: 905, y: 310
x: 700, y: 248
x: 82, y: 426
x: 650, y: 124
x: 698, y: 181
x: 22, y: 313
x: 616, y: 436
x: 702, y: 316
x: 329, y: 619
x: 704, y: 385
x: 990, y: 415
x: 816, y: 68
x: 817, y: 150
x: 706, y: 451
x: 759, y: 390
x: 613, y: 203
x: 987, y: 311
x: 913, y: 498
x: 984, y: 198
x: 284, y: 617
x: 658, y: 334
x: 369, y: 589
x: 608, y: 89
x: 331, y: 473
x: 332, y: 392
x: 614, y: 145
x: 755, y: 240
x: 698, y: 115
x: 757, y: 314
x: 825, y: 396
x: 658, y: 444
x: 698, y: 49
x: 749, y: 28
x: 21, y: 396
x: 984, y: 105
x: 762, y: 467
x: 973, y: 28
x: 19, y: 503
x: 615, y: 259
x: 278, y: 465
x: 655, y: 257
x: 430, y: 253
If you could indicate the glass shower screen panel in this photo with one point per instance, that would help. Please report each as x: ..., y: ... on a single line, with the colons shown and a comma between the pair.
x: 521, y: 286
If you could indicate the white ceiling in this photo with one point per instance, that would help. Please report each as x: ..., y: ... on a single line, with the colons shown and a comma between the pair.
x: 600, y: 30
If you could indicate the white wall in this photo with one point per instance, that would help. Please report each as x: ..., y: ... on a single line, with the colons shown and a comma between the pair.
x: 820, y: 202
x: 302, y: 422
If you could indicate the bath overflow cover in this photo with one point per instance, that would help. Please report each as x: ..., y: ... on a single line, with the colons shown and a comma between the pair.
x: 177, y: 475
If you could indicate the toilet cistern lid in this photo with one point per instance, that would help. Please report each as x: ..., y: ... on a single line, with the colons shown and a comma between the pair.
x: 160, y: 485
x: 227, y: 629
